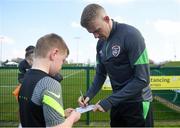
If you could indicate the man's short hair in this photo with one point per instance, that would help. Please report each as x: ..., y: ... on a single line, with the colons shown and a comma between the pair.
x: 49, y: 41
x: 29, y: 52
x: 30, y: 48
x: 89, y: 13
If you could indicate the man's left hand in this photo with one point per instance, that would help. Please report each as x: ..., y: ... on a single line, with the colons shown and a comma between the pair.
x: 98, y: 107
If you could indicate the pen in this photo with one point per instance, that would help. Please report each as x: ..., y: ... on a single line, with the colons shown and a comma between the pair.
x: 82, y: 98
x: 82, y: 95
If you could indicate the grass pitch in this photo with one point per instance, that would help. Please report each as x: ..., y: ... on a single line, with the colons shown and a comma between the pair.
x: 74, y: 81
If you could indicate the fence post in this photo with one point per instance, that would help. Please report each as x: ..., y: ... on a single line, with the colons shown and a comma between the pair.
x: 87, y: 87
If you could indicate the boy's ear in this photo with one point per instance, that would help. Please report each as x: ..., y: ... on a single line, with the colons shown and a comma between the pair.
x: 53, y: 54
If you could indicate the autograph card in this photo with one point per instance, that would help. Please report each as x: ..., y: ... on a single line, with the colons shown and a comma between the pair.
x: 85, y: 109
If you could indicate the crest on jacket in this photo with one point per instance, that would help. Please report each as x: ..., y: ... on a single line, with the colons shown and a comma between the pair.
x: 116, y: 50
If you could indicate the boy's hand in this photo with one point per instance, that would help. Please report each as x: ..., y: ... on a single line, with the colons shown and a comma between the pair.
x: 75, y: 115
x: 68, y: 111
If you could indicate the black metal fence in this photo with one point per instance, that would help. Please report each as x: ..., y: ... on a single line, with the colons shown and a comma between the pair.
x: 166, y: 103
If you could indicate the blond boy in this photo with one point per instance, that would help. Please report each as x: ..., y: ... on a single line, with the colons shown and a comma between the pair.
x: 40, y: 97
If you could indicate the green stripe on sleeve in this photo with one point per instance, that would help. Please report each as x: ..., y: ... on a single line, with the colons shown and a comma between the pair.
x: 143, y: 59
x: 145, y: 108
x: 54, y: 104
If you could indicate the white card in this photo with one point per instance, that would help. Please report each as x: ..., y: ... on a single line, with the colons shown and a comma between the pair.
x: 85, y: 109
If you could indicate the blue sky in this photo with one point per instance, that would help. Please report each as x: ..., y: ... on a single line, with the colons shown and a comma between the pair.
x: 22, y: 22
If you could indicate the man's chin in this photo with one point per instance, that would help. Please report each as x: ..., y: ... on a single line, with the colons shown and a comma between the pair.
x: 102, y: 38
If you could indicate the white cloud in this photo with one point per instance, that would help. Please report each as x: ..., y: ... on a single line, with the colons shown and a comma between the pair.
x: 11, y: 52
x: 120, y: 19
x: 5, y: 39
x: 18, y: 53
x: 110, y: 1
x: 75, y: 24
x: 167, y: 27
x: 178, y: 1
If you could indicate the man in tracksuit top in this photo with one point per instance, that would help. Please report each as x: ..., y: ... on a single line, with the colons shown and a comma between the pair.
x: 122, y: 55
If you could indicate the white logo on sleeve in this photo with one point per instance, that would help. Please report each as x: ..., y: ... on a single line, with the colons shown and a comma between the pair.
x: 57, y: 96
x: 101, y: 53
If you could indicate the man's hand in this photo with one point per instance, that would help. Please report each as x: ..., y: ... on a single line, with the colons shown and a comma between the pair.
x: 98, y: 107
x: 83, y: 101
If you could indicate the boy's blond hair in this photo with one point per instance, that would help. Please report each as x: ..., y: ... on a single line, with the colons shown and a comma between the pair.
x: 47, y: 42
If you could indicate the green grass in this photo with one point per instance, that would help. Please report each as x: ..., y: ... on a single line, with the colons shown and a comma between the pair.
x: 74, y: 81
x: 162, y: 112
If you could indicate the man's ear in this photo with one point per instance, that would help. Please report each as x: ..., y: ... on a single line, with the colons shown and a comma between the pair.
x: 106, y: 18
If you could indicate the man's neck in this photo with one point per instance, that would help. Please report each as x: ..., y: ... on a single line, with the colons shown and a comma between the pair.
x: 111, y: 24
x: 110, y: 27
